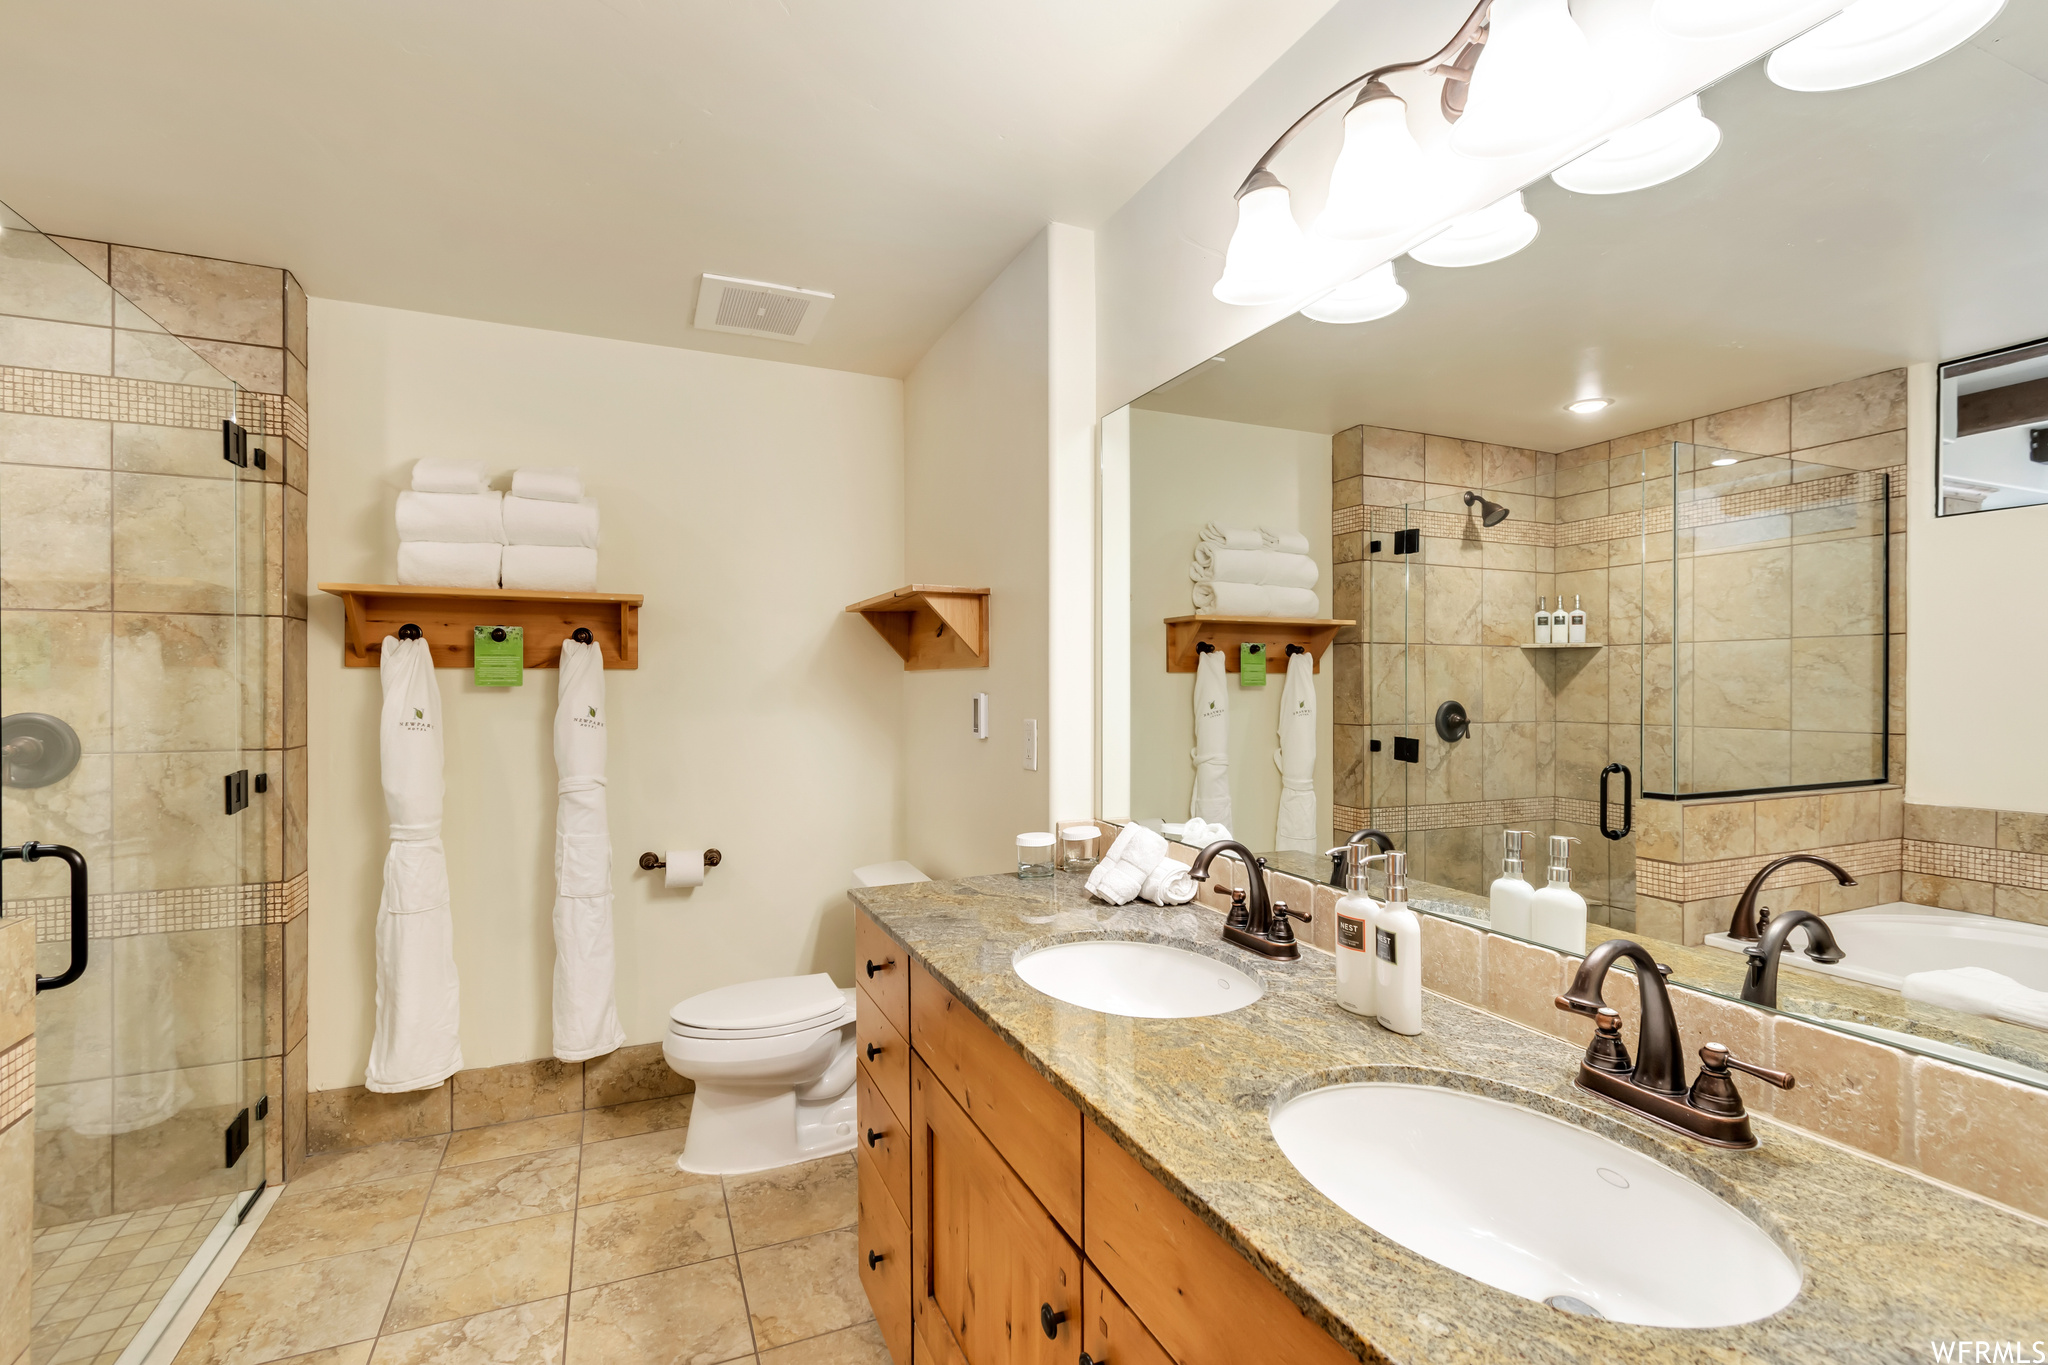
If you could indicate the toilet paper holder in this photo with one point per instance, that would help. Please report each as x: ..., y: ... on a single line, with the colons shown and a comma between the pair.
x: 651, y: 861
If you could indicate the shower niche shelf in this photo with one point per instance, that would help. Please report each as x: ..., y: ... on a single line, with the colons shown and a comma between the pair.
x: 448, y: 618
x: 931, y: 626
x: 1183, y: 633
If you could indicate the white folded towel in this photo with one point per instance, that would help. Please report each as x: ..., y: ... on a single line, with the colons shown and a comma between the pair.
x: 1232, y: 538
x: 1287, y: 542
x: 1120, y: 876
x: 442, y: 474
x: 551, y: 568
x: 1168, y: 884
x: 441, y: 564
x: 541, y: 521
x: 1267, y: 568
x: 1979, y: 990
x: 1246, y: 599
x: 548, y: 484
x: 454, y: 518
x: 1199, y: 833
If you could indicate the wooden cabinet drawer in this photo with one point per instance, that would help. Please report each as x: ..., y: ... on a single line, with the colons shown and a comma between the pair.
x: 1110, y: 1331
x: 882, y: 969
x: 885, y: 1141
x: 1037, y: 1129
x: 885, y: 1262
x: 1200, y: 1298
x: 884, y: 1051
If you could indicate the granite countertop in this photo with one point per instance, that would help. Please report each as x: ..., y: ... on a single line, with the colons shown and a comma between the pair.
x: 1890, y: 1261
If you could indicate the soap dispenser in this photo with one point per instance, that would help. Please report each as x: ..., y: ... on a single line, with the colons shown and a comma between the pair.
x: 1557, y: 914
x: 1510, y: 893
x: 1397, y: 953
x: 1543, y: 620
x: 1357, y: 916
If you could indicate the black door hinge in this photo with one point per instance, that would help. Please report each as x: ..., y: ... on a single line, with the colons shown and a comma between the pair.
x: 1408, y: 542
x: 237, y: 1137
x: 238, y: 790
x: 234, y: 443
x: 263, y: 1108
x: 262, y: 783
x: 1407, y: 749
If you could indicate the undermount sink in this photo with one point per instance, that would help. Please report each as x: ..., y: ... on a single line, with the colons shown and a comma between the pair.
x: 1140, y: 980
x: 1534, y: 1205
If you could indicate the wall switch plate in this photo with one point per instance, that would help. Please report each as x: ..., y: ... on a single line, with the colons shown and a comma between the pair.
x: 1031, y: 746
x: 981, y: 715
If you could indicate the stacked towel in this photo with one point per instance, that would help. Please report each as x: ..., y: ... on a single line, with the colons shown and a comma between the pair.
x: 439, y: 474
x: 550, y: 568
x: 1120, y: 876
x: 539, y: 521
x: 1233, y: 538
x: 451, y: 527
x: 547, y: 484
x: 1979, y: 990
x: 550, y: 532
x: 1286, y: 542
x: 433, y: 563
x: 452, y: 518
x: 1257, y: 572
x: 1247, y: 599
x: 1265, y: 568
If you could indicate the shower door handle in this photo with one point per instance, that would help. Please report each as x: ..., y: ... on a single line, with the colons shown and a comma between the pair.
x: 30, y: 852
x: 1628, y: 801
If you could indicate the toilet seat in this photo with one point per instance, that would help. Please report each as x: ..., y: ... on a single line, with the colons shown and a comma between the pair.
x: 770, y: 1008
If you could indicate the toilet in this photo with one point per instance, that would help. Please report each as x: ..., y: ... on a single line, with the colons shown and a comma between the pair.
x: 773, y: 1063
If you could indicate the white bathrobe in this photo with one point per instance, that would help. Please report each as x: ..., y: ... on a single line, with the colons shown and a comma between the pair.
x: 1296, y: 758
x: 416, y: 1046
x: 586, y: 1013
x: 1211, y: 753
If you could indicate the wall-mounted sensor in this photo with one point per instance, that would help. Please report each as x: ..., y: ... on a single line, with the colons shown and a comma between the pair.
x: 1031, y: 746
x: 981, y: 715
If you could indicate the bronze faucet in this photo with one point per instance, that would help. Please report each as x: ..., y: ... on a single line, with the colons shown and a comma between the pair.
x: 1745, y: 926
x: 1256, y: 921
x: 1760, y: 982
x: 1654, y: 1086
x: 1337, y: 855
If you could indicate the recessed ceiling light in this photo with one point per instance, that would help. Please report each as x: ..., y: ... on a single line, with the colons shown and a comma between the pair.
x: 1725, y: 459
x: 1586, y: 405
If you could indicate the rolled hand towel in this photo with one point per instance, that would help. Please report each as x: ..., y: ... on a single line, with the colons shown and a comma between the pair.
x: 1267, y: 568
x: 1115, y: 881
x: 539, y: 521
x: 1232, y: 538
x: 440, y: 564
x: 441, y: 474
x: 1979, y: 990
x: 550, y: 568
x: 548, y: 484
x: 1199, y: 833
x: 1140, y: 847
x: 1246, y: 599
x: 1287, y: 542
x: 1168, y: 884
x: 452, y: 518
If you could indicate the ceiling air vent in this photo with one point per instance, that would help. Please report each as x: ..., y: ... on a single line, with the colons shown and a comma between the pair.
x: 754, y: 309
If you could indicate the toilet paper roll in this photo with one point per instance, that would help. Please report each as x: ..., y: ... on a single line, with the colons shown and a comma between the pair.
x: 685, y: 867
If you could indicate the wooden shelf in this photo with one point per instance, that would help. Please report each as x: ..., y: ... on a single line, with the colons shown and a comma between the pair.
x: 448, y: 617
x: 932, y: 626
x: 1583, y: 644
x: 1183, y: 633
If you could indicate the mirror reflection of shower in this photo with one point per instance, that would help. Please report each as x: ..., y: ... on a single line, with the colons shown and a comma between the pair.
x: 1490, y: 513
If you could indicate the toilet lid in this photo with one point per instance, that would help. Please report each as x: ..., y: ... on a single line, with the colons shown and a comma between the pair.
x: 776, y: 1002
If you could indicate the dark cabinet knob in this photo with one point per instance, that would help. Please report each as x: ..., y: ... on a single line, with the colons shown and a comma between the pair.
x: 875, y: 1258
x: 1087, y: 1359
x: 1050, y: 1320
x: 886, y: 964
x: 874, y: 1137
x: 873, y: 1051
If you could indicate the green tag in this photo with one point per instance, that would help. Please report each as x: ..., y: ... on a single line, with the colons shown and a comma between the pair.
x: 1251, y: 665
x: 500, y: 663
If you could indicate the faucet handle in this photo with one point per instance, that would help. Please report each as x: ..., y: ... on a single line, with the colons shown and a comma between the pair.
x: 1713, y: 1090
x: 1715, y: 1057
x: 1278, y: 930
x: 1606, y: 1052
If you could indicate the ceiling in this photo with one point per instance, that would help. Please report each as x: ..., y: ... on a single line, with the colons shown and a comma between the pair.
x: 1830, y: 236
x: 578, y: 166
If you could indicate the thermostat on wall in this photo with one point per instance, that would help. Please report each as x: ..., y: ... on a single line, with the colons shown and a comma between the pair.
x: 981, y: 715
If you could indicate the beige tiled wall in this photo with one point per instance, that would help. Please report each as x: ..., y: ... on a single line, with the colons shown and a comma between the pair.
x: 17, y: 1129
x: 1993, y: 862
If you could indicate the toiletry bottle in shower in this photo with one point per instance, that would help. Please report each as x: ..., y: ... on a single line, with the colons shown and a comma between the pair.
x: 1397, y: 953
x: 1510, y: 893
x: 1543, y: 620
x: 1356, y: 913
x: 1578, y: 622
x: 1557, y: 914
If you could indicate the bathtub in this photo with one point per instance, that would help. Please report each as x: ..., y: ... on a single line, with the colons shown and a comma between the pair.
x: 1884, y: 943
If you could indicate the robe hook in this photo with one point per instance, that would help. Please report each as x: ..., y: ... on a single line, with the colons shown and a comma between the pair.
x: 1204, y: 647
x: 409, y: 631
x: 582, y: 636
x: 1296, y: 649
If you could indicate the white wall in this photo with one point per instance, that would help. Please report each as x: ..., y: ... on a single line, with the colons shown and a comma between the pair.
x: 750, y: 502
x: 1184, y: 472
x: 1976, y: 639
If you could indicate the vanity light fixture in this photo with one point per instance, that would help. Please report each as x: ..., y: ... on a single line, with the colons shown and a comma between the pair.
x: 1537, y: 82
x: 1587, y: 406
x: 1662, y: 147
x: 1371, y: 296
x: 1720, y: 18
x: 1873, y: 39
x: 1481, y: 237
x: 1382, y: 182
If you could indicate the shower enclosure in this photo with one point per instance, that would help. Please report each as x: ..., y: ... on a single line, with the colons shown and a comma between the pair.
x: 134, y: 578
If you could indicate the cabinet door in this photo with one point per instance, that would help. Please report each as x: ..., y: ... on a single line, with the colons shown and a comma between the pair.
x: 1110, y: 1332
x: 990, y: 1263
x: 885, y: 1140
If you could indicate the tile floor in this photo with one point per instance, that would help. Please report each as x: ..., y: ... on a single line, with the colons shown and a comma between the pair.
x: 96, y: 1282
x: 570, y: 1240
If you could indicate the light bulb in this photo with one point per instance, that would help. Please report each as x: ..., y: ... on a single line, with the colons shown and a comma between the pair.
x: 1586, y: 406
x: 1371, y: 296
x: 1537, y: 82
x: 1873, y: 39
x: 1381, y: 183
x: 1721, y: 18
x: 1489, y: 234
x: 1263, y: 263
x: 1662, y: 147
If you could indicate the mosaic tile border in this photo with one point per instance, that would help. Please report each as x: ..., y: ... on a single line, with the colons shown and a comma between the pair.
x: 17, y: 1082
x: 125, y: 914
x: 1456, y: 814
x: 1680, y: 882
x: 106, y: 398
x: 2001, y: 866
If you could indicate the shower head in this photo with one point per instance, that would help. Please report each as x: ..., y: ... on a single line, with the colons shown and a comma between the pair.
x: 1490, y: 513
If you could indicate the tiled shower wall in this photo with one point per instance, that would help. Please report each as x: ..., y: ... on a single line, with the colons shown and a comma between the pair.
x: 111, y: 482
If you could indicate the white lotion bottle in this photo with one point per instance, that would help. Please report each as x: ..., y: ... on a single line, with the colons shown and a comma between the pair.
x: 1397, y: 953
x: 1356, y: 916
x: 1543, y: 620
x: 1578, y: 622
x: 1557, y: 914
x: 1510, y: 894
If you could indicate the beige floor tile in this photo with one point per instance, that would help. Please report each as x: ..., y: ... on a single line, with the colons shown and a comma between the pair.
x: 473, y: 1272
x: 803, y: 1289
x: 502, y: 1191
x: 641, y: 1116
x: 629, y: 1237
x: 530, y: 1334
x: 696, y: 1313
x: 380, y: 1162
x: 306, y: 1225
x: 793, y: 1201
x: 626, y: 1167
x: 513, y: 1139
x: 860, y: 1345
x: 356, y: 1353
x: 275, y: 1314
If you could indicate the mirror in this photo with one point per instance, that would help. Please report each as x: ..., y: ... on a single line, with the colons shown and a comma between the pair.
x: 1678, y: 419
x: 1994, y: 431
